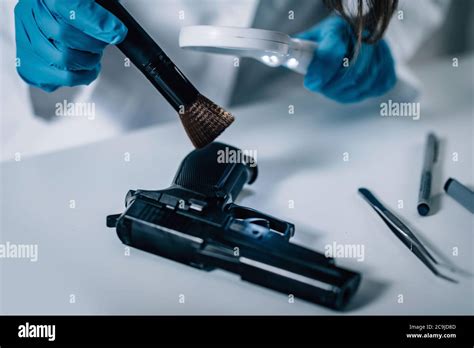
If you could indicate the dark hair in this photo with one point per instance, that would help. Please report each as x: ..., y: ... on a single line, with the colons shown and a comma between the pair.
x: 369, y: 19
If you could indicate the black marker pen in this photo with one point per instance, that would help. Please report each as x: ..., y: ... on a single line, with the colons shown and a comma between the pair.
x: 431, y: 154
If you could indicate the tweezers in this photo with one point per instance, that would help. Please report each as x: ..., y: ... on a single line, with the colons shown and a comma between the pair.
x: 405, y: 235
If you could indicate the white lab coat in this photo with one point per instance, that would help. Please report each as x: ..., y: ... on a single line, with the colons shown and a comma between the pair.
x: 124, y: 99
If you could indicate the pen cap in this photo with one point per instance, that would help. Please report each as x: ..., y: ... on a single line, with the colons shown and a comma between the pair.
x: 460, y: 193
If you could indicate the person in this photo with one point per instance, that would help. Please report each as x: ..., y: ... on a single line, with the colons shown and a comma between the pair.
x: 63, y: 44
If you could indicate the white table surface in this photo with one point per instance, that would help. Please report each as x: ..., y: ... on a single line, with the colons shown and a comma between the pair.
x: 300, y: 158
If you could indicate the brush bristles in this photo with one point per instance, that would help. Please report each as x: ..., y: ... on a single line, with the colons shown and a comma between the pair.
x: 204, y: 121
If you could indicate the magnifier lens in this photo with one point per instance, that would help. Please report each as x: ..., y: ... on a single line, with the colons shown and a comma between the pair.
x: 271, y: 60
x: 272, y: 48
x: 292, y: 63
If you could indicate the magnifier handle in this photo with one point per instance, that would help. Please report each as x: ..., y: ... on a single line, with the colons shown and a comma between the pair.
x: 300, y: 55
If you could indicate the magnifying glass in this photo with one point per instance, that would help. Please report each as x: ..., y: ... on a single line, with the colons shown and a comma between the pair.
x: 269, y: 47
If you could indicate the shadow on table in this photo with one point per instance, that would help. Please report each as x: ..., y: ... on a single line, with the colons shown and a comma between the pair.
x: 246, y: 192
x: 446, y: 264
x: 369, y: 291
x: 308, y: 236
x: 295, y: 161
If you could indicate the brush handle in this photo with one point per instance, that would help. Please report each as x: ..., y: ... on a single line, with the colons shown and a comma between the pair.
x: 151, y: 60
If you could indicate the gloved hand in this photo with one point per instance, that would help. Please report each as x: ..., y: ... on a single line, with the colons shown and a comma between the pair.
x: 60, y: 42
x: 371, y: 73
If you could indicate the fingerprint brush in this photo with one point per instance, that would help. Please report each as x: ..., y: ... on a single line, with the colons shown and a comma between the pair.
x: 203, y: 120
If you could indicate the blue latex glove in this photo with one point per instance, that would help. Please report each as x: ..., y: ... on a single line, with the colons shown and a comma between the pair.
x: 60, y: 42
x: 371, y: 74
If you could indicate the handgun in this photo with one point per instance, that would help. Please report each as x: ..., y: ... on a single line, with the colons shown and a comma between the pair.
x: 197, y: 222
